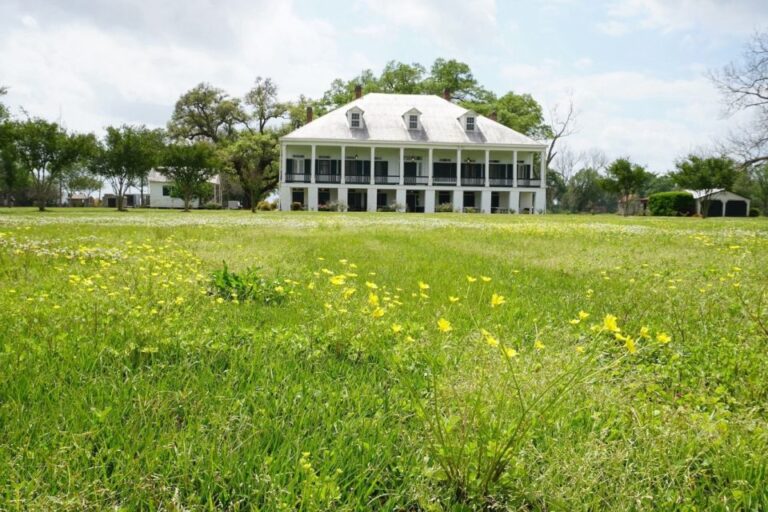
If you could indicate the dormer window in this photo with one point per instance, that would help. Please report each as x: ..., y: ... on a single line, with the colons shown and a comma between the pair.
x: 355, y: 118
x: 470, y: 123
x: 412, y: 119
x: 413, y: 122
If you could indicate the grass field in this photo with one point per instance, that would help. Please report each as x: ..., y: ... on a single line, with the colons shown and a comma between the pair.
x: 381, y: 362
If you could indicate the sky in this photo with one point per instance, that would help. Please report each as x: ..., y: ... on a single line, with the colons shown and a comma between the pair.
x: 635, y: 69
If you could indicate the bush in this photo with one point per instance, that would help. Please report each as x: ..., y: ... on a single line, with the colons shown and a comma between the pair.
x: 296, y: 206
x: 754, y: 212
x: 266, y: 206
x: 444, y: 208
x: 246, y: 286
x: 672, y: 204
x: 212, y: 205
x: 332, y: 206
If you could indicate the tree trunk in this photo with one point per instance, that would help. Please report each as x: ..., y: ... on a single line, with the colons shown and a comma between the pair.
x: 252, y: 196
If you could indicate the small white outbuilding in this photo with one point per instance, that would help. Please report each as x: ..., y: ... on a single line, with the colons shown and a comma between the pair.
x: 160, y: 192
x: 722, y: 203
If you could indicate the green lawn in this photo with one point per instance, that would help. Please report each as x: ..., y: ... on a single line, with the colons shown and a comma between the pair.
x: 381, y: 362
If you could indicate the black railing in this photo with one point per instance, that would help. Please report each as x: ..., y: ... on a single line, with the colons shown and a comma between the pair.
x: 473, y: 181
x: 416, y: 180
x: 502, y: 182
x: 528, y: 183
x: 444, y: 180
x: 357, y: 179
x: 387, y: 180
x: 328, y: 178
x: 297, y: 178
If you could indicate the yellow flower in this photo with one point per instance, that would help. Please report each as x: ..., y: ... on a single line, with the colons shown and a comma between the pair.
x: 423, y: 285
x: 583, y: 315
x: 609, y: 323
x: 373, y: 299
x: 396, y: 328
x: 279, y: 289
x: 444, y: 325
x: 377, y: 313
x: 471, y: 279
x: 663, y: 337
x: 510, y: 352
x: 579, y: 349
x: 343, y: 262
x: 630, y: 344
x: 485, y: 279
x: 219, y: 300
x: 491, y: 340
x: 453, y: 299
x: 339, y: 280
x: 645, y: 333
x: 409, y: 339
x: 574, y: 321
x: 372, y: 286
x: 538, y: 345
x: 497, y: 300
x: 348, y: 292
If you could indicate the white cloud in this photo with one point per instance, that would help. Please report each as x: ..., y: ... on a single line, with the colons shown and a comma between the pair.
x: 613, y: 28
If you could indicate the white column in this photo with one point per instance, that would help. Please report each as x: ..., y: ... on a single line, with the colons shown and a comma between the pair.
x: 458, y: 167
x: 485, y: 201
x: 458, y: 200
x: 430, y: 172
x: 402, y: 165
x: 312, y: 204
x: 371, y: 199
x: 285, y: 198
x: 343, y: 197
x: 343, y: 165
x: 429, y: 201
x: 543, y: 172
x: 725, y: 203
x: 373, y: 172
x: 312, y: 171
x: 540, y: 201
x: 488, y: 171
x: 283, y: 163
x: 514, y: 169
x: 400, y: 199
x: 514, y: 200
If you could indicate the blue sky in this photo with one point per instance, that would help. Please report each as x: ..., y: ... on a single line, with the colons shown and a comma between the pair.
x: 636, y: 69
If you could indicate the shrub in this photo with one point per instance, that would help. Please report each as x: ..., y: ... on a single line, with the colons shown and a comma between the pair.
x: 296, y: 206
x: 672, y: 204
x: 444, y: 208
x: 212, y: 205
x: 266, y: 206
x: 754, y: 212
x: 249, y: 285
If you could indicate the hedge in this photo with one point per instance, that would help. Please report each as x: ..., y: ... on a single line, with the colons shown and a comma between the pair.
x: 672, y: 204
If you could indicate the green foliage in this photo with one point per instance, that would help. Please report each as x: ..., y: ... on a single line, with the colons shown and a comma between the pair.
x: 266, y: 206
x: 705, y: 174
x: 672, y: 204
x: 206, y: 113
x: 254, y: 158
x: 585, y: 193
x: 625, y: 179
x: 189, y: 167
x: 249, y: 285
x: 444, y: 208
x: 754, y: 212
x: 263, y: 99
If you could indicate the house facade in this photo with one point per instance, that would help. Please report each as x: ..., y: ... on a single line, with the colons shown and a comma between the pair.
x: 160, y: 192
x: 416, y: 153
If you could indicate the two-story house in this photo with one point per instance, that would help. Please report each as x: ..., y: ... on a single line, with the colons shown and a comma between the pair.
x: 411, y: 152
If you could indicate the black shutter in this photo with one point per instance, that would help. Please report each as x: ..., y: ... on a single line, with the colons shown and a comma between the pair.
x: 334, y: 166
x: 307, y: 166
x: 366, y: 168
x: 289, y: 166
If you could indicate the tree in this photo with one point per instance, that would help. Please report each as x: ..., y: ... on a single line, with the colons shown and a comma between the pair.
x: 125, y: 157
x: 342, y: 92
x: 401, y: 78
x: 625, y: 179
x: 80, y: 180
x: 206, y: 113
x: 754, y: 184
x: 189, y: 167
x: 263, y: 98
x: 13, y: 178
x: 744, y: 86
x: 45, y: 151
x: 456, y: 77
x: 4, y: 114
x: 296, y: 112
x: 254, y: 159
x: 705, y: 174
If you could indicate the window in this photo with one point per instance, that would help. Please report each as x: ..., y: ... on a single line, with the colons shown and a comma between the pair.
x: 470, y: 124
x: 355, y: 120
x: 166, y: 191
x: 413, y: 122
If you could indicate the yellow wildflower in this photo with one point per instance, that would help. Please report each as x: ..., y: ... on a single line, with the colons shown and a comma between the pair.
x: 645, y: 333
x: 377, y: 313
x: 610, y: 324
x: 583, y: 315
x: 497, y: 300
x: 372, y: 286
x: 396, y: 328
x: 339, y: 280
x: 453, y: 299
x: 574, y: 321
x: 348, y: 292
x: 373, y: 299
x: 423, y: 285
x: 491, y: 340
x: 444, y: 325
x: 510, y: 352
x: 630, y: 344
x: 579, y: 349
x: 538, y: 345
x: 663, y: 338
x: 485, y: 279
x: 471, y: 279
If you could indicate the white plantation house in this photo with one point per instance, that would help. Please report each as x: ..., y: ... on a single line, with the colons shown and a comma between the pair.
x: 412, y: 152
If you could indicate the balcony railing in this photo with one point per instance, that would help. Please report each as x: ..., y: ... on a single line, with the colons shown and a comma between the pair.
x: 297, y: 178
x: 502, y: 182
x: 328, y: 178
x: 416, y: 180
x: 357, y: 179
x: 444, y: 180
x: 387, y: 180
x: 474, y: 182
x: 528, y: 183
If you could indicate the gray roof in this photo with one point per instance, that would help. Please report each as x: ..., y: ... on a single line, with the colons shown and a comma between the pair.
x: 383, y: 122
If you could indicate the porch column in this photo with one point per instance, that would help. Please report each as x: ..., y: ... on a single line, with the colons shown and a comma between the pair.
x: 402, y: 165
x: 343, y: 199
x: 514, y: 169
x: 400, y: 199
x: 312, y: 170
x: 458, y: 167
x: 371, y: 199
x: 543, y: 172
x: 458, y: 200
x: 312, y: 204
x: 343, y: 164
x: 514, y: 201
x: 487, y: 169
x: 373, y: 171
x: 725, y: 204
x: 429, y: 201
x: 430, y: 171
x: 285, y: 198
x: 485, y: 201
x: 283, y: 164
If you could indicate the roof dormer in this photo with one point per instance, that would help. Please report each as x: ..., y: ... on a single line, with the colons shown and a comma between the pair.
x: 412, y: 119
x: 355, y: 118
x: 468, y: 121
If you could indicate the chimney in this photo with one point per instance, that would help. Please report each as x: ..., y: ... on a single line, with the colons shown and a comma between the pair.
x: 447, y: 94
x: 309, y: 114
x: 358, y: 91
x: 493, y: 116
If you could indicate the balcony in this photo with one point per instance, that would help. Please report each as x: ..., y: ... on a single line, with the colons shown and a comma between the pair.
x: 387, y: 179
x: 328, y: 178
x: 444, y: 180
x: 297, y: 178
x: 416, y: 180
x: 473, y: 182
x: 360, y: 179
x: 502, y: 182
x: 528, y: 182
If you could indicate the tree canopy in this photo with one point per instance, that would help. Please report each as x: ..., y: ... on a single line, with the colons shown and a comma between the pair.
x: 206, y: 113
x: 705, y: 174
x: 189, y: 166
x: 625, y: 179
